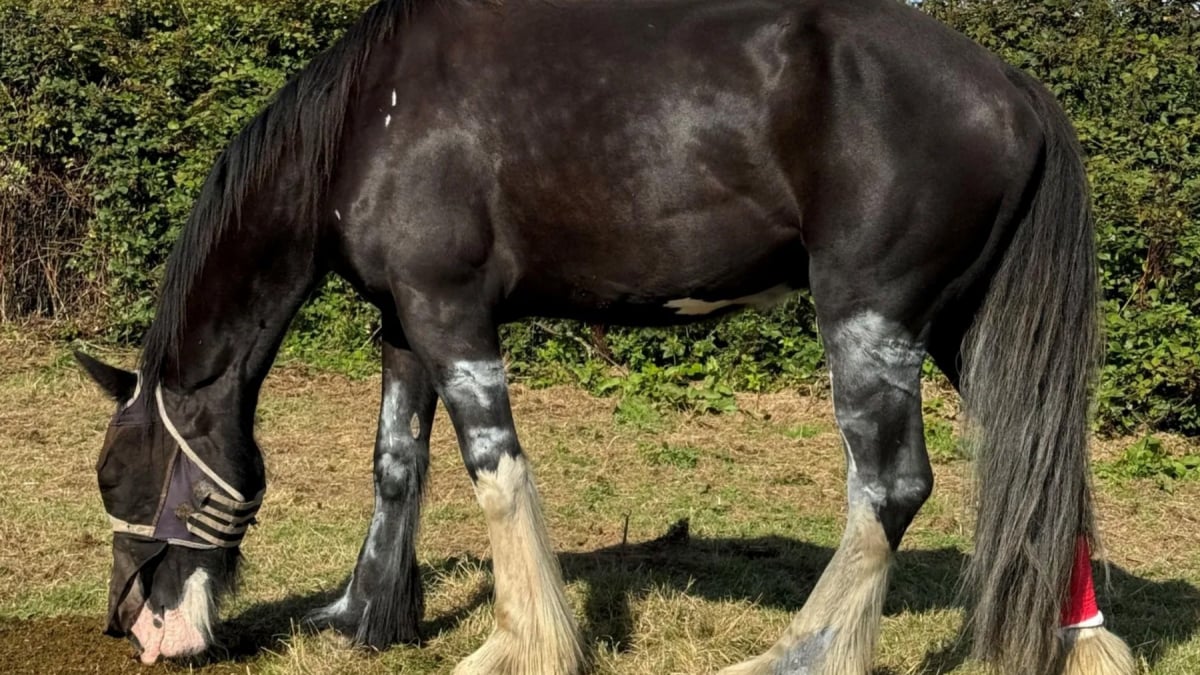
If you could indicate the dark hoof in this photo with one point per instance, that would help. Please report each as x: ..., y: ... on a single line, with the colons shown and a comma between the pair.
x: 362, y: 626
x: 339, y: 616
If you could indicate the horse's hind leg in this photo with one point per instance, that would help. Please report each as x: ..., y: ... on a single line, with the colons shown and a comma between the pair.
x: 383, y: 602
x: 535, y: 628
x: 875, y: 366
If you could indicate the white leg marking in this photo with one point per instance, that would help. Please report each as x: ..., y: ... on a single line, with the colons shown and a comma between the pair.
x: 393, y: 401
x: 393, y: 98
x: 535, y: 628
x: 836, y: 631
x: 475, y: 383
x: 392, y: 470
x: 488, y: 441
x: 387, y: 122
x: 873, y: 331
x: 337, y: 214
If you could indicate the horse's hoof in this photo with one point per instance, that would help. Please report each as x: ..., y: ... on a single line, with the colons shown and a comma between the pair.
x: 357, y: 626
x: 338, y: 616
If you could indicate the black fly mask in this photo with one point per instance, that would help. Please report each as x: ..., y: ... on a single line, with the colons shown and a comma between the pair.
x: 159, y: 493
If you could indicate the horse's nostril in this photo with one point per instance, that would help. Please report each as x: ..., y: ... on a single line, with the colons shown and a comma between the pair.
x: 137, y: 646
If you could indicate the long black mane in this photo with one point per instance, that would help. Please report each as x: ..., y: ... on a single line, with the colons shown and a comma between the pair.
x: 302, y: 125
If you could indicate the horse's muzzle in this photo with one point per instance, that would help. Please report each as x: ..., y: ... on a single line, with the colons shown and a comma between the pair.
x: 126, y: 591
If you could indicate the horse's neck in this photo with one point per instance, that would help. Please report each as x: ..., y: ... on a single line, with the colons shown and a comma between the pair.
x: 240, y: 305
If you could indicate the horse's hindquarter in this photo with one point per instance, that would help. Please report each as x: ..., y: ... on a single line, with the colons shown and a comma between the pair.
x: 597, y: 158
x: 927, y: 158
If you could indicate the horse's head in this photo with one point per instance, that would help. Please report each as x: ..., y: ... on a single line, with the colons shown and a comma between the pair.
x: 177, y: 523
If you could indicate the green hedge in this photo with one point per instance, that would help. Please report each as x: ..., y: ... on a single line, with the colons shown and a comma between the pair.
x: 116, y: 108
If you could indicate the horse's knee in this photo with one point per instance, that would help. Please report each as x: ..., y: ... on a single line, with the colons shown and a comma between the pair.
x: 485, y: 446
x: 398, y: 474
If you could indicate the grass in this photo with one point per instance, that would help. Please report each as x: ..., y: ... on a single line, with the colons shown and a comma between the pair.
x: 666, y: 454
x: 804, y: 431
x: 941, y: 438
x: 761, y: 492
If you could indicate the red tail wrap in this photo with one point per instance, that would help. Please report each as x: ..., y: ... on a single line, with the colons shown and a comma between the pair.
x: 1081, y: 604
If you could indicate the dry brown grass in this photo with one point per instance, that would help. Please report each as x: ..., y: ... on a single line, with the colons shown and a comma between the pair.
x: 762, y: 490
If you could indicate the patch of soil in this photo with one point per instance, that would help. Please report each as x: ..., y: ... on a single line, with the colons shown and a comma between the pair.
x: 75, y: 644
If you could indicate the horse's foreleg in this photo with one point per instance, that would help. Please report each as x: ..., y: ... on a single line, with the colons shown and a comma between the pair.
x: 875, y: 367
x: 535, y: 628
x: 383, y: 602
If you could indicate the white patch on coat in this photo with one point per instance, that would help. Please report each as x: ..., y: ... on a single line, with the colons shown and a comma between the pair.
x: 882, y: 347
x: 475, y: 383
x: 393, y: 98
x: 868, y: 343
x: 337, y: 214
x: 693, y: 307
x: 485, y: 441
x: 387, y: 121
x: 393, y: 402
x: 392, y: 470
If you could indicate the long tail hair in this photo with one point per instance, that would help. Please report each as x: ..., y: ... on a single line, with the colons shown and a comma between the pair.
x: 1029, y: 364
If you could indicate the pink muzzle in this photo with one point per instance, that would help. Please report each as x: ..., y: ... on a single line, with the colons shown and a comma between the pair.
x: 168, y: 635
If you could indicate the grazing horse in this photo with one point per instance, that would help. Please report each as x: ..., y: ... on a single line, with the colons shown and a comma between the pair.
x: 465, y: 163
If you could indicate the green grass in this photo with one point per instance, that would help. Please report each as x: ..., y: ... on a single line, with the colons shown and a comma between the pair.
x: 804, y: 431
x: 1150, y: 458
x: 666, y: 454
x: 637, y: 413
x: 941, y: 440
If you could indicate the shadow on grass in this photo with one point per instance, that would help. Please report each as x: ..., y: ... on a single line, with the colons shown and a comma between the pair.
x: 775, y: 572
x: 267, y: 627
x: 779, y: 572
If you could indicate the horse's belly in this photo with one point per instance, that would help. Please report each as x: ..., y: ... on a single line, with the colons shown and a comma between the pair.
x: 643, y: 280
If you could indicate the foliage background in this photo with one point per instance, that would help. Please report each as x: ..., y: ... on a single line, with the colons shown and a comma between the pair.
x: 111, y: 112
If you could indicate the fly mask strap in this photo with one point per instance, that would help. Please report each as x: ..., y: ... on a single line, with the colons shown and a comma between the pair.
x: 221, y: 519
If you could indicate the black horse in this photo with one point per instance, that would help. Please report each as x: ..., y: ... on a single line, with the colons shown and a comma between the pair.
x: 467, y: 163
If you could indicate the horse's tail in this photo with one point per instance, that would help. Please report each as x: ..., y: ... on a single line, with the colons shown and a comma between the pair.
x: 1029, y: 363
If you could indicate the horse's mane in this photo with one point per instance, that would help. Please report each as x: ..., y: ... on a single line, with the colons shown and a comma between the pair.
x: 302, y: 123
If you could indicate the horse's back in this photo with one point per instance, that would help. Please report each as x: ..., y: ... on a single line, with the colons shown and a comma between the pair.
x: 600, y: 157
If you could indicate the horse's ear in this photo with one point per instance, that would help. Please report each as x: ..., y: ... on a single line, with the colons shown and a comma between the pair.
x: 118, y: 384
